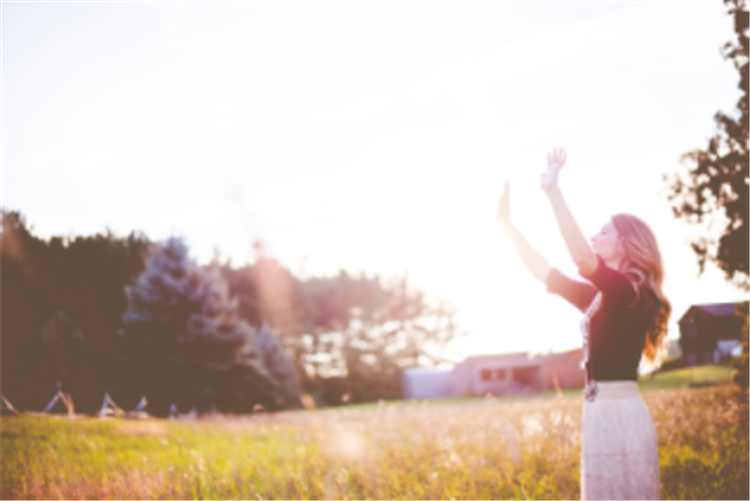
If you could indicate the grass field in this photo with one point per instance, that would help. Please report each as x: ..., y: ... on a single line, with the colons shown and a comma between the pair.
x: 505, y: 447
x: 494, y: 448
x: 705, y: 375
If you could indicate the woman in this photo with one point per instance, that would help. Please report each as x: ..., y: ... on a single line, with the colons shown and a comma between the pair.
x: 625, y: 316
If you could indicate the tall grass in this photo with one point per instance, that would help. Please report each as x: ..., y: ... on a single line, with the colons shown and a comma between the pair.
x: 520, y: 448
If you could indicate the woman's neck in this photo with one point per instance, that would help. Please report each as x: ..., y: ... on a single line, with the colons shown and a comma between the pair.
x: 615, y: 263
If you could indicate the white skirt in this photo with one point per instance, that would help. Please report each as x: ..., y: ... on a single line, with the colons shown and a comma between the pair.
x: 619, y: 458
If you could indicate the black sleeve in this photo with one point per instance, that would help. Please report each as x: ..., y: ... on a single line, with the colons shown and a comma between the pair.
x: 614, y: 284
x: 579, y: 294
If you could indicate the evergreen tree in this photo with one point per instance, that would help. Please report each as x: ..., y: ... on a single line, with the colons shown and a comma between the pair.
x: 184, y: 339
x: 279, y: 366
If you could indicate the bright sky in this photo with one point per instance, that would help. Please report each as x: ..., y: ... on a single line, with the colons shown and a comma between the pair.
x: 368, y: 136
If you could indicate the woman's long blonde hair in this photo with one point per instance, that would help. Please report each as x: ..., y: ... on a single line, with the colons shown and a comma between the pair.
x: 643, y: 262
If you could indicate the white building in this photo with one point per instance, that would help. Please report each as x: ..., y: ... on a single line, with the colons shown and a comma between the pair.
x: 497, y: 374
x: 421, y: 382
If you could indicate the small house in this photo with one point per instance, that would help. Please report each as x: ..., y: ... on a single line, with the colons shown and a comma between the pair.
x: 497, y: 374
x: 564, y: 370
x: 424, y: 382
x: 709, y: 332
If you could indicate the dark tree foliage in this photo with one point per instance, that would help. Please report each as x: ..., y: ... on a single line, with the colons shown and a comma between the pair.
x: 740, y: 364
x: 350, y: 337
x: 717, y: 183
x: 185, y: 343
x: 61, y: 305
x: 279, y: 366
x: 268, y: 294
x: 179, y: 338
x: 370, y: 333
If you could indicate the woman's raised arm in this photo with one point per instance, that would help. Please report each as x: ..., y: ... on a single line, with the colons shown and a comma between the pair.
x: 537, y: 265
x: 578, y: 247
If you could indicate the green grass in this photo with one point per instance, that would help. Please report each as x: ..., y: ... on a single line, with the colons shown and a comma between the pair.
x: 704, y: 375
x: 494, y: 448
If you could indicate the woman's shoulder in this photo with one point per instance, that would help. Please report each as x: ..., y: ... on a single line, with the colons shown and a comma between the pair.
x: 646, y: 301
x: 643, y: 297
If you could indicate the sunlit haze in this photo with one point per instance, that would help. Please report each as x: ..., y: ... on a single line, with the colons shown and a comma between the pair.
x: 368, y: 137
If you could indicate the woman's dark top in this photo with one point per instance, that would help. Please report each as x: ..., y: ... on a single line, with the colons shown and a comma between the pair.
x: 617, y: 330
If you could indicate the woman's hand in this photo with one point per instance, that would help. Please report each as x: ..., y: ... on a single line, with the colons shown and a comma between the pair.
x: 537, y: 265
x: 503, y: 212
x: 555, y: 162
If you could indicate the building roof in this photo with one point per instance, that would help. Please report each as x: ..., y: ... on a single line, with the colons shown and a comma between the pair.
x: 427, y: 370
x: 519, y: 359
x: 503, y: 357
x: 713, y: 309
x: 501, y: 360
x: 554, y: 357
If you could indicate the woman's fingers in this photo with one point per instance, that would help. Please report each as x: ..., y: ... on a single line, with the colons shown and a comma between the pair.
x: 556, y: 158
x: 506, y: 194
x: 555, y: 161
x: 503, y: 212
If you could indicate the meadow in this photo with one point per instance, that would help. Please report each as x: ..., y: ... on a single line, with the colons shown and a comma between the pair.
x: 485, y: 448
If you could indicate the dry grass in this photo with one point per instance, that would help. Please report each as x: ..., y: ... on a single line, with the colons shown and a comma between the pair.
x: 520, y: 448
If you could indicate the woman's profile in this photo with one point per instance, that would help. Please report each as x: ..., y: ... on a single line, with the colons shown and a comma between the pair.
x: 625, y: 316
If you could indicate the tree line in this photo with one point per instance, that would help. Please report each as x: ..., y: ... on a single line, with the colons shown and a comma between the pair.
x: 714, y: 190
x: 129, y: 317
